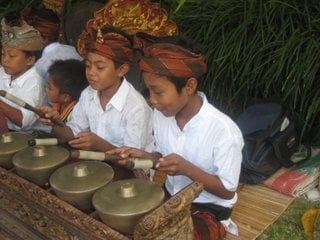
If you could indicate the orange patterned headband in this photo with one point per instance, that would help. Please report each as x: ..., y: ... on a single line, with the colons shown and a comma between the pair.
x: 172, y: 61
x: 111, y: 45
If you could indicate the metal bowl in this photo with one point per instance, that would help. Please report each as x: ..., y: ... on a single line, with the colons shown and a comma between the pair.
x: 76, y: 183
x: 37, y: 163
x: 11, y: 143
x: 122, y: 203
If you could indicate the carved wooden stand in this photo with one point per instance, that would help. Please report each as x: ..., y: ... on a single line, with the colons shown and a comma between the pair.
x: 30, y: 212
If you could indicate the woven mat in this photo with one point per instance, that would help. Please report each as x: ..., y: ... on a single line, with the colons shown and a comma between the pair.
x: 257, y: 208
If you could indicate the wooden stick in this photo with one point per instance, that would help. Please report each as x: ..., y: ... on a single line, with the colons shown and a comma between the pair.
x: 45, y: 141
x: 27, y: 106
x: 133, y: 163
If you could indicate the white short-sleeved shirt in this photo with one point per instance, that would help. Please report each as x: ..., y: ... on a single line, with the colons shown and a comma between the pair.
x: 29, y: 88
x: 125, y: 121
x: 210, y: 140
x: 52, y: 52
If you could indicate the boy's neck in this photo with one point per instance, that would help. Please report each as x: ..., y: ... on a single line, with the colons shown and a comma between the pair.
x: 192, y: 107
x: 14, y: 77
x: 106, y: 94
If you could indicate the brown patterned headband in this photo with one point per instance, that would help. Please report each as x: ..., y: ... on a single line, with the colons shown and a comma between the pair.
x: 172, y: 60
x: 111, y: 45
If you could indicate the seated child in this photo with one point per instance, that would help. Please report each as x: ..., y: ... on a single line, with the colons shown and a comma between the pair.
x: 110, y: 112
x: 194, y: 141
x: 66, y: 80
x: 21, y: 47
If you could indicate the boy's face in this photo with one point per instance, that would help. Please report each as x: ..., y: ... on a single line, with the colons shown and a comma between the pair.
x: 164, y: 95
x: 101, y: 72
x: 15, y: 62
x: 53, y: 92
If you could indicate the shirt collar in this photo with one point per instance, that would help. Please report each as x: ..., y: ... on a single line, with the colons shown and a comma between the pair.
x: 118, y: 99
x: 19, y: 81
x: 200, y: 113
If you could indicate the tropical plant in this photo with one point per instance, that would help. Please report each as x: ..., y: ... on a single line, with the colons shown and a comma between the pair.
x: 12, y: 8
x: 254, y: 49
x: 258, y: 49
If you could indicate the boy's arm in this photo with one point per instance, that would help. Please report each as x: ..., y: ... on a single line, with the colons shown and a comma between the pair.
x: 211, y: 183
x: 63, y: 132
x: 173, y: 164
x: 13, y: 114
x: 90, y: 141
x: 130, y: 152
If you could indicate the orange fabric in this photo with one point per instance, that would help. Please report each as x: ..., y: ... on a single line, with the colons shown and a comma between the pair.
x: 207, y: 227
x: 170, y: 60
x: 111, y: 45
x: 65, y: 113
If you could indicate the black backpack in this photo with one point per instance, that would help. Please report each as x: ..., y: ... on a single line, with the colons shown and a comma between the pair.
x: 270, y: 139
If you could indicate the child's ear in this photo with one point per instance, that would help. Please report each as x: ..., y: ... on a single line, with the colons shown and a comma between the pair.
x: 31, y: 60
x: 123, y: 70
x: 191, y: 86
x: 66, y: 97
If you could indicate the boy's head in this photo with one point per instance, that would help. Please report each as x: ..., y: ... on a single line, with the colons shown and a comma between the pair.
x: 108, y: 55
x: 21, y: 47
x: 109, y: 42
x: 66, y: 80
x: 175, y: 57
x: 171, y: 68
x: 44, y: 20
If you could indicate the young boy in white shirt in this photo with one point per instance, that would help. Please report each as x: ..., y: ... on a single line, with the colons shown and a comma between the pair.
x: 21, y: 47
x: 110, y: 112
x: 194, y: 140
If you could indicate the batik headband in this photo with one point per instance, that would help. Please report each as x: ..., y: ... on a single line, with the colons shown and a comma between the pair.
x: 111, y: 45
x: 172, y: 61
x: 130, y: 16
x: 24, y: 37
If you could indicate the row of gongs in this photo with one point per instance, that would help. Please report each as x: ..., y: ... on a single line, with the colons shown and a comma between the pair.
x: 84, y: 184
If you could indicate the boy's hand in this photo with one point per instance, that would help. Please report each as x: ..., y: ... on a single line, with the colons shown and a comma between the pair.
x: 85, y: 141
x: 49, y: 113
x: 173, y: 164
x: 126, y: 152
x: 130, y: 152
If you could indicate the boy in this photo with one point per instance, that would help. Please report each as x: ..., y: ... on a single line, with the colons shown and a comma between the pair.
x: 110, y: 112
x: 21, y: 47
x: 66, y: 80
x: 194, y: 140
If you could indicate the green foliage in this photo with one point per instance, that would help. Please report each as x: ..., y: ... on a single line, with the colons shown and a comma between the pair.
x: 289, y: 225
x: 11, y: 9
x: 254, y: 49
x: 258, y: 49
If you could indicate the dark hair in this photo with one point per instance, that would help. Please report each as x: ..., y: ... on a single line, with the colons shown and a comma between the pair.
x: 36, y: 54
x: 69, y: 77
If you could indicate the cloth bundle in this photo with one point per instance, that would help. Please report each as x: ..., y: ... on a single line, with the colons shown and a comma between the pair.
x: 298, y: 179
